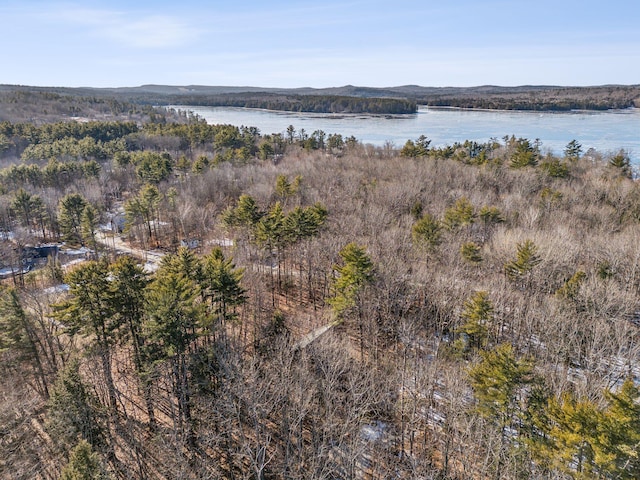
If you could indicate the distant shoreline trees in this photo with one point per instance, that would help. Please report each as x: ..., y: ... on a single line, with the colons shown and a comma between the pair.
x: 304, y: 103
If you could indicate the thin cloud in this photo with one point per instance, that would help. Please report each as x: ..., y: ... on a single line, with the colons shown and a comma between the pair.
x: 152, y: 32
x: 134, y: 31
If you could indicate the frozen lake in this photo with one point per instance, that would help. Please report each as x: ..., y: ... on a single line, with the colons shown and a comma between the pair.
x: 607, y: 131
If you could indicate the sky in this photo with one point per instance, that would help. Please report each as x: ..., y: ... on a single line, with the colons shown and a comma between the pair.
x: 278, y: 43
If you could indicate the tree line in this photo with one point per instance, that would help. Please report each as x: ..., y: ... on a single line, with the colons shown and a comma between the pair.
x: 301, y: 103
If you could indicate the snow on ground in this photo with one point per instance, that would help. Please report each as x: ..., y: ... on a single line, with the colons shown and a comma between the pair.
x: 150, y: 267
x: 73, y: 262
x: 221, y: 242
x: 62, y: 288
x: 375, y: 431
x: 7, y: 272
x: 77, y: 251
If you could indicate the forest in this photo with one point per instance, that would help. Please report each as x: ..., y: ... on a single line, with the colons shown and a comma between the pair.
x: 538, y: 98
x: 299, y: 103
x: 339, y: 100
x: 190, y: 301
x: 64, y: 100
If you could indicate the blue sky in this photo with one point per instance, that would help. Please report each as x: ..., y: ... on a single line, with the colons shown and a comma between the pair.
x: 282, y: 43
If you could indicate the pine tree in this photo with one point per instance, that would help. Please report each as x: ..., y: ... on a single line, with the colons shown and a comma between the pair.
x: 460, y: 214
x: 354, y: 274
x: 526, y: 259
x: 573, y: 433
x: 174, y: 315
x: 185, y: 263
x: 89, y: 225
x: 84, y: 464
x: 470, y: 252
x: 70, y: 217
x: 269, y: 230
x: 90, y: 311
x: 286, y: 189
x: 573, y: 150
x: 525, y: 154
x: 497, y: 383
x: 571, y: 287
x: 21, y: 206
x: 73, y: 411
x: 617, y: 447
x: 490, y: 215
x: 301, y: 223
x: 427, y: 232
x: 221, y: 284
x: 245, y: 214
x: 622, y: 163
x: 128, y: 284
x: 478, y: 313
x: 419, y: 148
x: 19, y: 334
x: 143, y: 209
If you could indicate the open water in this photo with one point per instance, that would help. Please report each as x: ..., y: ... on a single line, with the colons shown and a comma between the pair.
x: 607, y: 132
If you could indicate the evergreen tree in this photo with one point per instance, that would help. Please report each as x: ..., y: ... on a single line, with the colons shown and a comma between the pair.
x: 265, y: 151
x: 301, y: 223
x: 585, y: 441
x: 554, y: 167
x: 153, y: 167
x: 73, y: 411
x: 143, y: 209
x: 128, y: 284
x: 184, y: 263
x: 269, y: 230
x: 84, y: 464
x: 427, y: 232
x: 573, y: 150
x: 419, y: 148
x: 571, y: 287
x: 478, y: 313
x: 354, y: 274
x: 90, y: 311
x: 19, y: 334
x: 460, y: 214
x: 490, y: 215
x: 335, y: 143
x: 221, y: 284
x: 622, y: 163
x: 173, y: 317
x: 30, y: 210
x: 526, y: 259
x: 70, y: 217
x: 498, y: 382
x: 573, y: 432
x: 285, y: 189
x: 470, y: 252
x: 525, y: 154
x: 291, y: 134
x: 416, y: 210
x: 89, y: 225
x: 200, y: 164
x: 617, y: 447
x: 245, y: 214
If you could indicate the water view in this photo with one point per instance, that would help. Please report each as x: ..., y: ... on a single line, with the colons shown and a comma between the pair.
x: 606, y: 132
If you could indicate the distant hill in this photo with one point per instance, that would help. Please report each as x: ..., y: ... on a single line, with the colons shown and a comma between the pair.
x: 345, y: 99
